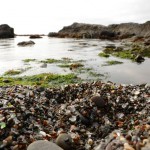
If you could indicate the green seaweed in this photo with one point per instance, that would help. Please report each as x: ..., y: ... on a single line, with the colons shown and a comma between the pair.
x: 102, y: 54
x: 44, y: 80
x: 130, y: 53
x: 112, y: 62
x: 12, y: 72
x: 50, y: 61
x: 126, y: 54
x: 28, y: 60
x: 71, y: 66
x: 94, y: 74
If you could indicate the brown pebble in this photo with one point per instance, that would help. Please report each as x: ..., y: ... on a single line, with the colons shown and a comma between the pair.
x: 64, y: 141
x: 98, y: 101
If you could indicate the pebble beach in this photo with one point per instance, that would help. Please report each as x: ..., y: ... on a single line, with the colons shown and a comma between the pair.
x: 87, y: 116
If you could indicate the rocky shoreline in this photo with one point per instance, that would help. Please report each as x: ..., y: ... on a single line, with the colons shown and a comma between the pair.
x: 111, y: 32
x: 99, y: 116
x: 6, y: 31
x: 85, y: 116
x: 83, y: 30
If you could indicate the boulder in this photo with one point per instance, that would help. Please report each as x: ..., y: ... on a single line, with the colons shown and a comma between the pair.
x: 26, y: 43
x: 6, y: 31
x: 43, y: 145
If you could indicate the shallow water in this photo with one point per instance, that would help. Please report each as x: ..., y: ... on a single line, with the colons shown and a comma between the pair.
x: 12, y: 56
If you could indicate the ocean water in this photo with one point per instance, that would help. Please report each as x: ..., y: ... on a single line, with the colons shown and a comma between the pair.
x: 87, y: 50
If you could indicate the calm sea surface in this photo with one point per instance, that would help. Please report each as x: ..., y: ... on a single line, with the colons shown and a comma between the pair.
x: 12, y: 56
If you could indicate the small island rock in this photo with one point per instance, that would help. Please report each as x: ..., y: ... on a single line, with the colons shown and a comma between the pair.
x: 6, y: 31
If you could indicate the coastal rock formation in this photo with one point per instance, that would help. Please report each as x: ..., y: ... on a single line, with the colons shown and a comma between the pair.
x: 6, y: 31
x: 26, y: 43
x: 114, y: 31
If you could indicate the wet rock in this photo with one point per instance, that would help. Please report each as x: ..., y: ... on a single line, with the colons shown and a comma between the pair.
x: 98, y: 101
x: 43, y: 145
x: 64, y: 141
x: 35, y: 36
x: 118, y: 49
x: 110, y: 46
x: 106, y: 34
x: 6, y: 80
x: 6, y: 31
x: 26, y: 43
x: 139, y: 58
x: 44, y: 65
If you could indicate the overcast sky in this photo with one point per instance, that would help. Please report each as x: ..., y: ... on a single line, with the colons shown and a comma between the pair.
x: 44, y: 16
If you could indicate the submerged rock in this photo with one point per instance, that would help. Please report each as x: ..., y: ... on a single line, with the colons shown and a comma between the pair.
x: 26, y: 43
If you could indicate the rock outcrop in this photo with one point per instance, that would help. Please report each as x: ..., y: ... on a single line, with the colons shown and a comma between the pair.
x: 26, y: 43
x: 36, y: 36
x: 6, y: 31
x: 114, y: 31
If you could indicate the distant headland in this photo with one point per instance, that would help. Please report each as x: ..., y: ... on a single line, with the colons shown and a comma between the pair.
x: 83, y: 30
x: 114, y: 31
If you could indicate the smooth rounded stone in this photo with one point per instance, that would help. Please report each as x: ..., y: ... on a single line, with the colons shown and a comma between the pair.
x: 115, y: 145
x: 64, y: 141
x: 43, y: 145
x: 98, y: 101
